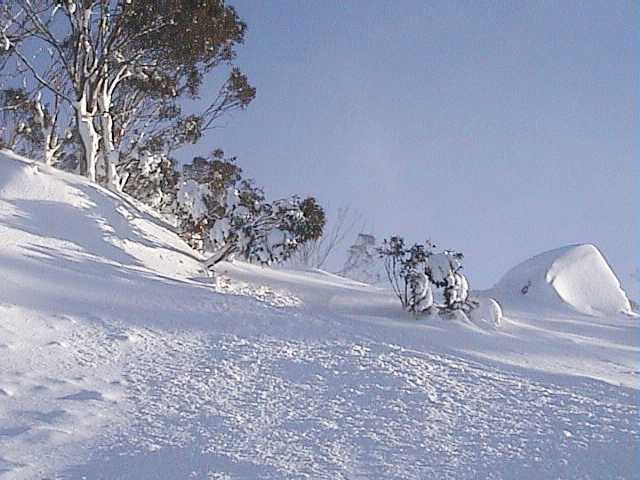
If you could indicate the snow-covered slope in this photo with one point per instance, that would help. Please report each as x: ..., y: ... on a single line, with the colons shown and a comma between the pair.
x: 576, y: 276
x: 119, y: 359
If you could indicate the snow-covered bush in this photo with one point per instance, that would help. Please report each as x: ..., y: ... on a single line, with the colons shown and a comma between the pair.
x: 264, y: 232
x: 406, y: 270
x: 202, y: 196
x: 225, y: 216
x: 445, y: 271
x: 363, y: 262
x: 152, y: 179
x: 414, y: 272
x: 420, y: 298
x: 193, y: 214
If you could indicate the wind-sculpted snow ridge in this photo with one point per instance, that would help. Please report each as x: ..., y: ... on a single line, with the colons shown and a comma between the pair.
x: 577, y: 276
x: 120, y: 359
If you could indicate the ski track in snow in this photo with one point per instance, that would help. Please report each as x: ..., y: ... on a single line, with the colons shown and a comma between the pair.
x: 269, y: 408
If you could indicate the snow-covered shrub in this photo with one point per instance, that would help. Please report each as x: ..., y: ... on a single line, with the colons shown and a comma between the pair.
x: 445, y: 271
x: 440, y: 266
x: 225, y: 216
x: 363, y: 262
x: 193, y: 218
x: 264, y: 232
x: 406, y: 270
x: 152, y: 179
x: 202, y: 196
x: 420, y: 298
x: 414, y: 272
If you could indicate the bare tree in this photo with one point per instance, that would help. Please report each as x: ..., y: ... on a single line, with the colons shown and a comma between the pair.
x: 316, y: 253
x: 29, y: 126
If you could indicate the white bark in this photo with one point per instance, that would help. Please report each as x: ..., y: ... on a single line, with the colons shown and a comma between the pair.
x: 109, y: 153
x: 51, y: 144
x: 88, y: 135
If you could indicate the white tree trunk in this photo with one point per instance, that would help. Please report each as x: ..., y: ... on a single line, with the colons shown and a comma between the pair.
x: 111, y: 155
x: 89, y: 136
x: 51, y: 143
x: 51, y: 147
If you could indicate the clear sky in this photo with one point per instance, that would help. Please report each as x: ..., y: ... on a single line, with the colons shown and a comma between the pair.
x: 499, y: 128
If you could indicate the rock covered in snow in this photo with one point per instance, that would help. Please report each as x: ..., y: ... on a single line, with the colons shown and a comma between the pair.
x: 488, y: 312
x: 577, y: 276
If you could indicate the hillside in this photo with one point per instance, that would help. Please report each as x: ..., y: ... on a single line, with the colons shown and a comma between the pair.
x: 121, y: 359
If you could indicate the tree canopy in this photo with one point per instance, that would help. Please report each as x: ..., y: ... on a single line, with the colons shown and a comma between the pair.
x: 114, y: 73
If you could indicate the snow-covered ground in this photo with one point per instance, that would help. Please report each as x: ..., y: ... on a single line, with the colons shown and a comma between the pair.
x: 121, y: 359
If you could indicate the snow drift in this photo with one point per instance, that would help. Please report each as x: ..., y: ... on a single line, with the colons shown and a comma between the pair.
x: 487, y: 313
x: 577, y: 276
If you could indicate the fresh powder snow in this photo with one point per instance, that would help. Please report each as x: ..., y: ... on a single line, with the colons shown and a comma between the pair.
x: 576, y: 276
x: 122, y: 358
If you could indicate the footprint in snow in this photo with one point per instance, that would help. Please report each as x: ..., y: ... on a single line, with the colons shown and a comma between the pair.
x: 84, y: 395
x: 39, y: 388
x: 51, y: 417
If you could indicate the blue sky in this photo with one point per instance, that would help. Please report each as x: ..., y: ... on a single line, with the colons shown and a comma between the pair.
x: 501, y: 129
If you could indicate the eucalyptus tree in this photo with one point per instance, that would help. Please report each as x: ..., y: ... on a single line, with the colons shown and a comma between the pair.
x: 119, y: 70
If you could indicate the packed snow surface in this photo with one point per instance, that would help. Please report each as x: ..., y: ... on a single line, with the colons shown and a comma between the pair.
x: 121, y: 359
x: 577, y: 276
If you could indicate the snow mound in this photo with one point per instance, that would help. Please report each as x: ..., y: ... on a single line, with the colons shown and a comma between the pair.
x: 50, y: 212
x: 487, y: 313
x: 576, y: 276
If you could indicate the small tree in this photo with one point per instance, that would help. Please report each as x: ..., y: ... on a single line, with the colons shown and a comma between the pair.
x: 414, y: 271
x: 264, y: 232
x: 29, y: 126
x: 223, y: 215
x: 152, y: 179
x: 406, y: 271
x: 316, y: 253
